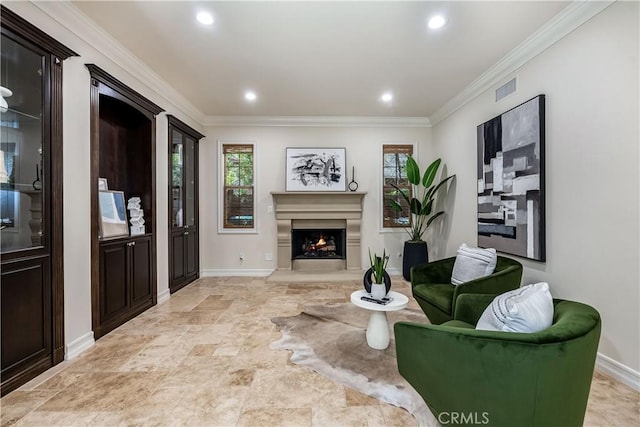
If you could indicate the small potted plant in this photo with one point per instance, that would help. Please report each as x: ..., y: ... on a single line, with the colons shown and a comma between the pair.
x: 376, y: 280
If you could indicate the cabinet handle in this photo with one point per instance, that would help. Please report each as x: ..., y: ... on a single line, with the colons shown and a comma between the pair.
x: 186, y: 233
x: 133, y: 243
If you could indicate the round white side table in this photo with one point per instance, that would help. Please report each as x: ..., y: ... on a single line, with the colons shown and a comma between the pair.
x: 378, y: 328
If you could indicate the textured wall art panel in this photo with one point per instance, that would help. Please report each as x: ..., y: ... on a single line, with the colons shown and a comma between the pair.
x: 511, y: 207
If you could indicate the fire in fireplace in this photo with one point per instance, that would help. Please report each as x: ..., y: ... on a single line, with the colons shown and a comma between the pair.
x: 318, y: 244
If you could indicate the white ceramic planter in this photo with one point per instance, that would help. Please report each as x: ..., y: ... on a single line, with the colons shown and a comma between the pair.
x: 378, y: 290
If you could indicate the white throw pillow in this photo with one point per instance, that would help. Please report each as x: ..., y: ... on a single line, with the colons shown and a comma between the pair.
x: 472, y: 263
x: 527, y: 309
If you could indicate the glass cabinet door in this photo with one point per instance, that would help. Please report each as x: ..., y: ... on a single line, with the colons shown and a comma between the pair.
x: 177, y: 181
x: 22, y: 178
x: 184, y: 237
x: 189, y: 182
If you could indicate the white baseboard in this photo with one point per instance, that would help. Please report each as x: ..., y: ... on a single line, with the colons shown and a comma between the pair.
x: 77, y: 346
x: 243, y: 273
x: 619, y: 372
x: 263, y: 273
x: 164, y: 296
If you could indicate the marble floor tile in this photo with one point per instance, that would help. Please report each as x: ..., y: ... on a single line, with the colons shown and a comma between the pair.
x: 282, y: 417
x: 157, y: 358
x: 222, y: 408
x: 18, y: 404
x: 59, y: 419
x: 104, y: 391
x: 353, y: 416
x: 203, y: 358
x: 273, y: 388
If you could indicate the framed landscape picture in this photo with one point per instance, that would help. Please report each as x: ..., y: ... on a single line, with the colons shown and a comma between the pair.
x: 316, y: 169
x: 511, y: 197
x: 113, y: 215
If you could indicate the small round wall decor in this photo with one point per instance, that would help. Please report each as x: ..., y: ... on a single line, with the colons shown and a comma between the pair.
x: 353, y: 185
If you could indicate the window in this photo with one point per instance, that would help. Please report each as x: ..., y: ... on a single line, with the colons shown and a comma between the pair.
x: 238, y: 186
x: 394, y: 162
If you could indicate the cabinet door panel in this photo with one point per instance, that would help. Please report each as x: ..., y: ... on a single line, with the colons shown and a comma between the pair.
x: 26, y: 312
x: 113, y: 298
x: 178, y: 256
x: 191, y: 253
x: 141, y: 271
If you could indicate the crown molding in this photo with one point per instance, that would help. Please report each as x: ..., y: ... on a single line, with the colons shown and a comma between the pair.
x: 77, y: 23
x: 316, y: 121
x: 570, y: 18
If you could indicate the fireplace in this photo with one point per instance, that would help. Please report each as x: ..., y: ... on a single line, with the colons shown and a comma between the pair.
x: 318, y: 244
x: 335, y: 215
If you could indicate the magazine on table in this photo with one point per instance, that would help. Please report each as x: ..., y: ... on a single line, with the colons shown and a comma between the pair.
x: 383, y: 301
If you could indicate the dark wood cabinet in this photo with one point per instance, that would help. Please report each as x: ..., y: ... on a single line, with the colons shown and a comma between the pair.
x: 141, y: 273
x: 123, y: 153
x: 184, y: 241
x: 126, y: 279
x: 31, y: 249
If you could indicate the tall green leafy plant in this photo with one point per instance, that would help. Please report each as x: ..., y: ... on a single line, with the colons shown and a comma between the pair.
x: 421, y: 204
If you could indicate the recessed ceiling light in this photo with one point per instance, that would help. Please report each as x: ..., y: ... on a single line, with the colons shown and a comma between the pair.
x: 250, y: 96
x: 437, y: 21
x: 205, y: 18
x: 386, y: 97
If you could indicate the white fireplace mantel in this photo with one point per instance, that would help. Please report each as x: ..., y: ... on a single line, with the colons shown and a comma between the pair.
x: 318, y: 209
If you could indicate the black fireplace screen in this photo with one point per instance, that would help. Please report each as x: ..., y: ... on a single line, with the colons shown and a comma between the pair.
x: 318, y: 244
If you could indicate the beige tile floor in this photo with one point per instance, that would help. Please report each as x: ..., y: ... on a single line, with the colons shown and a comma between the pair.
x: 203, y: 359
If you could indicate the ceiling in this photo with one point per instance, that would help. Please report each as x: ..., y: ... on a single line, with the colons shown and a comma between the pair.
x: 319, y: 58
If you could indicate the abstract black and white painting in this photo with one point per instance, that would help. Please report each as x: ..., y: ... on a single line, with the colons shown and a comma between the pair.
x: 316, y: 169
x: 511, y: 209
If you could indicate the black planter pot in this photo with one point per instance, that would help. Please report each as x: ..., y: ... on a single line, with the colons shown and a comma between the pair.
x: 414, y: 253
x: 366, y: 281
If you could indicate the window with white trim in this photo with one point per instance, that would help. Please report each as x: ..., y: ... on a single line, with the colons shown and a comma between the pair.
x: 394, y: 172
x: 238, y: 186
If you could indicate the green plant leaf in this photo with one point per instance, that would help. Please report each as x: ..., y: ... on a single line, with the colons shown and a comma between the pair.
x: 416, y: 206
x: 378, y: 265
x: 426, y: 208
x: 430, y: 173
x: 395, y: 205
x: 402, y: 193
x: 440, y: 184
x: 413, y: 171
x: 434, y: 217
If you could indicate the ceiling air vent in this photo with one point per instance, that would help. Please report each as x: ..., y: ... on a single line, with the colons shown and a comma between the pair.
x: 506, y: 89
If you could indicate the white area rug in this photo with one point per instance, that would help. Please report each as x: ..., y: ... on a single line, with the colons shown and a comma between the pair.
x: 330, y: 339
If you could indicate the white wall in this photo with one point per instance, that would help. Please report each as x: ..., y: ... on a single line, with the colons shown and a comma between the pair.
x: 220, y: 252
x: 590, y: 79
x: 76, y: 158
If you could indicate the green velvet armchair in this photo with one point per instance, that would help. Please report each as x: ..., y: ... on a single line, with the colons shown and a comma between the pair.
x: 432, y: 288
x: 502, y: 378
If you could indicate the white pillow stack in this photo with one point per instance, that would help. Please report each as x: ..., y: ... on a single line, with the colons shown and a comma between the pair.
x: 527, y: 309
x: 472, y: 263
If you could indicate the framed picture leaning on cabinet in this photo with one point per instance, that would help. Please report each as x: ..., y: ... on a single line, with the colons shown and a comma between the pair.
x: 113, y: 214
